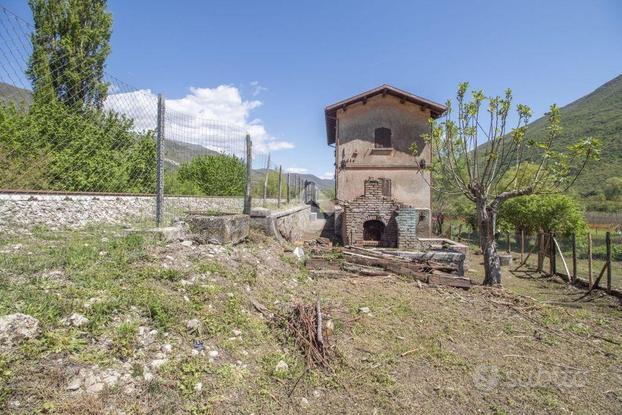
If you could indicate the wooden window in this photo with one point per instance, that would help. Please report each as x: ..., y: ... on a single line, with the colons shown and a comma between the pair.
x: 382, y: 137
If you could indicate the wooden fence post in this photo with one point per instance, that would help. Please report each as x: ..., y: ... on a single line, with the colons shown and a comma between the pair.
x: 574, y: 257
x: 552, y: 254
x: 522, y: 245
x: 589, y: 260
x: 541, y: 252
x: 590, y: 273
x: 608, y: 243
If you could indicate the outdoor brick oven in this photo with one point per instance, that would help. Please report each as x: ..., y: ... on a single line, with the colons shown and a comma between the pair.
x: 375, y: 219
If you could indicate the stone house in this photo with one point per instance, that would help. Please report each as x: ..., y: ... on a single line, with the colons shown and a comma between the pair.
x: 382, y: 187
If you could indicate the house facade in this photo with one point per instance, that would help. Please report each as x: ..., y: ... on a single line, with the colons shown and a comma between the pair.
x: 380, y: 166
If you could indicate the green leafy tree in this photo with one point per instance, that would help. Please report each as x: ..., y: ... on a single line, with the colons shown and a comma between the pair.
x: 474, y: 152
x: 52, y: 147
x: 613, y: 188
x: 70, y: 45
x: 547, y: 213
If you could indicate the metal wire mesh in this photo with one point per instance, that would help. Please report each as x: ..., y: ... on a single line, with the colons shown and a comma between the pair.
x: 59, y: 136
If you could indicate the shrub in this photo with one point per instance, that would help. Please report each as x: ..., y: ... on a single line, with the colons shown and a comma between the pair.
x: 212, y: 175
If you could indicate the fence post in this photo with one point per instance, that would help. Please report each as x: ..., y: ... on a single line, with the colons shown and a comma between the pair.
x: 287, y: 187
x: 265, y: 183
x: 574, y: 257
x: 522, y: 245
x: 451, y: 231
x: 608, y: 243
x: 540, y: 251
x: 589, y: 259
x: 459, y: 233
x: 278, y: 203
x: 509, y: 248
x: 159, y: 163
x: 249, y: 169
x: 553, y: 254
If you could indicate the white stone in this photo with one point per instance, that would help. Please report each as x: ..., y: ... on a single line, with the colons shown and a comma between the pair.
x: 236, y: 332
x: 148, y: 376
x: 167, y: 348
x: 299, y: 253
x: 77, y: 320
x: 187, y: 243
x: 15, y: 328
x: 74, y: 384
x: 198, y: 386
x: 95, y: 387
x: 194, y: 324
x: 281, y: 367
x: 157, y: 363
x: 304, y: 402
x: 213, y: 353
x: 364, y: 310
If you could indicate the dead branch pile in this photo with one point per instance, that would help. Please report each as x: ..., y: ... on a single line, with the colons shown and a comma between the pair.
x: 305, y: 325
x: 357, y: 261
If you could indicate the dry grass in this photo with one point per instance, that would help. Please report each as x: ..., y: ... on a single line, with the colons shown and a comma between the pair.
x: 535, y: 346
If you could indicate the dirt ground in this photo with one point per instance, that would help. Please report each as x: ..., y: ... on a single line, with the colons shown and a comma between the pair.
x: 533, y: 346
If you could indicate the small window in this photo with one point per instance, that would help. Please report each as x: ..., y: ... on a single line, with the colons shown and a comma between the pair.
x: 382, y: 137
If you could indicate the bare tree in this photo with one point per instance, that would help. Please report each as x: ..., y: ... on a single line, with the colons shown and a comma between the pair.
x: 481, y: 157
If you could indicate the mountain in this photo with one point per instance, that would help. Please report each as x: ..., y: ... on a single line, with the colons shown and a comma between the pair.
x: 14, y: 95
x: 598, y: 114
x: 258, y: 175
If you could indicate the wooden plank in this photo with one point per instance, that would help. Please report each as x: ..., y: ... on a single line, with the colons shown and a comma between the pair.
x: 322, y: 264
x: 450, y: 280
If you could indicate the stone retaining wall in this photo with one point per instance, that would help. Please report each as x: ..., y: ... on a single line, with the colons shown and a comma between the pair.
x: 287, y: 225
x: 23, y: 211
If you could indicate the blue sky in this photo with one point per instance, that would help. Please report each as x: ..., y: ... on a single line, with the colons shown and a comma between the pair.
x: 296, y: 57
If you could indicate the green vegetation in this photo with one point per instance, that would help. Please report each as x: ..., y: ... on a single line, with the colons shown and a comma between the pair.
x: 548, y: 213
x: 212, y: 175
x: 53, y: 147
x: 70, y: 45
x: 596, y: 114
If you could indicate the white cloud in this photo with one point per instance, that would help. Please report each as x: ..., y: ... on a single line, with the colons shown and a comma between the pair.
x: 216, y: 118
x: 257, y: 88
x: 329, y: 175
x: 296, y: 170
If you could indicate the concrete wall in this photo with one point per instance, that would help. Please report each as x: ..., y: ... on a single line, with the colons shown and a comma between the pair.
x: 287, y: 225
x: 357, y: 159
x: 22, y: 211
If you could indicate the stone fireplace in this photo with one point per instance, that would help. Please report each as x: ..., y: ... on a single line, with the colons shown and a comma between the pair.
x: 375, y: 219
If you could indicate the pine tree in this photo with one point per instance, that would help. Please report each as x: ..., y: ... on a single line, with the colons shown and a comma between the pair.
x: 70, y: 45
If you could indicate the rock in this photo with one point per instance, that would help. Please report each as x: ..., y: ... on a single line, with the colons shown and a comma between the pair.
x: 111, y: 377
x: 95, y: 387
x: 236, y: 332
x: 198, y: 386
x: 194, y: 325
x: 166, y: 348
x: 148, y: 376
x: 213, y: 353
x: 299, y: 253
x: 74, y: 384
x: 364, y: 310
x: 281, y: 367
x: 77, y: 320
x: 317, y: 393
x: 187, y: 243
x: 304, y: 402
x: 157, y: 363
x: 15, y: 328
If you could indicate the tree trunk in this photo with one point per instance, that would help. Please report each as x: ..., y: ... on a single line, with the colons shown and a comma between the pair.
x: 488, y: 245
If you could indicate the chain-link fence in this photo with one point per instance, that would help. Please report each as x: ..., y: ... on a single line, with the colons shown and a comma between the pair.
x: 97, y: 139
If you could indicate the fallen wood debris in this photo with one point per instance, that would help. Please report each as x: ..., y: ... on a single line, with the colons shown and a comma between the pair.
x: 366, y: 262
x: 305, y: 325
